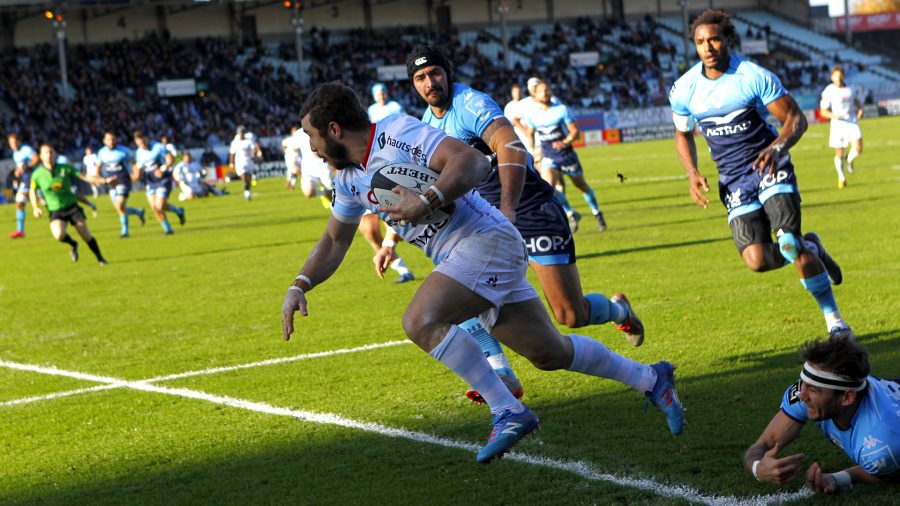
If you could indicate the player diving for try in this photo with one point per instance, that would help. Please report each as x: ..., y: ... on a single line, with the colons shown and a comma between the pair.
x: 480, y: 259
x: 730, y: 99
x: 515, y: 188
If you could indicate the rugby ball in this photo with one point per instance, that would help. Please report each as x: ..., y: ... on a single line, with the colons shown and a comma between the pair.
x: 412, y: 177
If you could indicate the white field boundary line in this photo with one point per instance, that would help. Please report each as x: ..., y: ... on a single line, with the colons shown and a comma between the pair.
x: 213, y: 370
x: 581, y: 469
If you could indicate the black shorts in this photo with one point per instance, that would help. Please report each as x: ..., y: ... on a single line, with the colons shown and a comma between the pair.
x: 71, y: 214
x: 780, y: 212
x: 545, y: 230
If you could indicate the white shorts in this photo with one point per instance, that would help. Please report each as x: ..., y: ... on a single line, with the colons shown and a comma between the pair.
x: 843, y: 133
x: 193, y: 188
x: 245, y: 168
x: 290, y: 167
x: 312, y: 178
x: 491, y: 263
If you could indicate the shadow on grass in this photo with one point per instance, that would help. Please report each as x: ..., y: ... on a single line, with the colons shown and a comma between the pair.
x: 215, y: 251
x: 654, y: 247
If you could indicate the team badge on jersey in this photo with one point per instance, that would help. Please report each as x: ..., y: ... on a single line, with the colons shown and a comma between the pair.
x: 794, y: 393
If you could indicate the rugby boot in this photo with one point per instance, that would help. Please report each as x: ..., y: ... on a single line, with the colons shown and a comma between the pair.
x: 665, y: 398
x: 632, y: 327
x: 601, y: 223
x: 574, y: 218
x: 508, y: 430
x: 832, y: 267
x: 511, y: 382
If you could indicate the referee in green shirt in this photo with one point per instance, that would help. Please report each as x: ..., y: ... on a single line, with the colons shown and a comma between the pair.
x: 55, y: 182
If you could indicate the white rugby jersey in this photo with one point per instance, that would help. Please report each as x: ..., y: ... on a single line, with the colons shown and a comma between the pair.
x: 242, y: 149
x: 402, y: 138
x: 841, y: 102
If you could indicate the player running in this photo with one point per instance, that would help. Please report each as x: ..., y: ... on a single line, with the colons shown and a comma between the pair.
x: 730, y: 98
x: 154, y: 164
x: 26, y: 159
x: 112, y: 161
x: 855, y: 410
x: 840, y: 102
x: 316, y: 177
x: 54, y: 180
x: 479, y: 260
x: 515, y: 188
x: 290, y: 145
x: 556, y: 131
x: 242, y: 156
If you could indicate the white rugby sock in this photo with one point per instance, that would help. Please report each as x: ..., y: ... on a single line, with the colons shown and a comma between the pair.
x: 461, y: 354
x: 593, y: 358
x: 852, y: 155
x: 839, y: 167
x: 400, y: 266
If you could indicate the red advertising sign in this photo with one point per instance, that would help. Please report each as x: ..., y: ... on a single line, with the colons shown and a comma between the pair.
x: 869, y: 22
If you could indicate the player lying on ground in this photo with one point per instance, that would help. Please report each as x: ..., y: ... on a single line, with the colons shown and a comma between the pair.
x: 855, y: 410
x: 480, y: 261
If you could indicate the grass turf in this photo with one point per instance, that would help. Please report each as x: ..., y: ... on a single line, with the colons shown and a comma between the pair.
x: 211, y: 294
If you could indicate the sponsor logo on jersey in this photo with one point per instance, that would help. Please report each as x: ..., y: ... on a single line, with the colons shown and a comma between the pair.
x: 545, y: 244
x: 430, y: 231
x: 773, y: 179
x: 417, y: 153
x: 728, y: 129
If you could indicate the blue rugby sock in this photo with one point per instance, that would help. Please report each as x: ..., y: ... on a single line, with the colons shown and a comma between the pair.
x: 20, y: 220
x: 591, y: 200
x: 489, y: 346
x: 123, y: 220
x: 604, y: 310
x: 132, y: 210
x: 561, y: 197
x: 167, y: 227
x: 820, y: 288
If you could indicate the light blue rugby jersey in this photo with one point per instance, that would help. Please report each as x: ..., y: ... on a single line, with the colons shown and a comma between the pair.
x: 151, y: 159
x: 113, y: 161
x: 731, y: 112
x: 873, y: 439
x: 550, y: 125
x: 402, y: 138
x: 22, y: 157
x: 378, y: 112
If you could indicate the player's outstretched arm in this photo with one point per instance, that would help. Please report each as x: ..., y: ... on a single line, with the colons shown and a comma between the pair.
x: 32, y: 197
x: 322, y: 262
x: 793, y: 123
x: 512, y: 160
x: 687, y: 155
x: 761, y: 459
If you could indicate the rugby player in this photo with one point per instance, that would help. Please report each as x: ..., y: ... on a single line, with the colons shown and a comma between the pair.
x: 840, y: 103
x: 242, y: 154
x: 291, y: 148
x: 156, y: 164
x: 54, y: 180
x: 515, y: 188
x: 382, y: 107
x: 112, y: 161
x: 479, y: 256
x: 730, y: 98
x: 26, y: 159
x: 856, y: 411
x: 556, y: 131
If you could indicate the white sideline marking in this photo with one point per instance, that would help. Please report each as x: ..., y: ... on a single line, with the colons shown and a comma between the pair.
x: 273, y: 361
x: 581, y: 469
x: 26, y: 400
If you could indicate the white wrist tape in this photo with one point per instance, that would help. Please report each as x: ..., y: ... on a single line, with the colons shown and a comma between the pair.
x: 755, y: 465
x: 301, y: 277
x: 387, y: 243
x: 424, y: 199
x: 843, y: 479
x: 295, y: 287
x: 440, y: 195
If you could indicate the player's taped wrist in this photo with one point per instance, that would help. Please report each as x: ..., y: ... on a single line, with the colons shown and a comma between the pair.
x: 441, y: 201
x: 425, y: 201
x: 755, y: 465
x: 388, y: 243
x: 301, y: 277
x: 843, y: 479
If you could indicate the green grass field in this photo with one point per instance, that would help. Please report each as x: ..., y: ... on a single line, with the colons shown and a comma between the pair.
x: 389, y: 425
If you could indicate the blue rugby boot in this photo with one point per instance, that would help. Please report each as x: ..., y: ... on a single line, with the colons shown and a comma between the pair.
x: 508, y: 430
x: 665, y: 398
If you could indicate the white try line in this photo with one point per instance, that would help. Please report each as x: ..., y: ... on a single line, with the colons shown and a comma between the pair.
x: 578, y: 468
x: 212, y: 370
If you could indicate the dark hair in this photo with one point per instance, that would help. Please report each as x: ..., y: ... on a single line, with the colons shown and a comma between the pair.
x: 837, y: 68
x: 139, y: 135
x: 838, y: 354
x: 334, y: 102
x: 12, y: 135
x: 720, y: 19
x: 426, y: 56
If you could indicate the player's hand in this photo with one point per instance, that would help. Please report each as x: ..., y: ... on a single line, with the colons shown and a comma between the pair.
x: 408, y: 209
x: 382, y: 260
x: 820, y: 482
x: 771, y: 469
x: 157, y: 173
x: 18, y: 172
x: 37, y: 212
x: 699, y: 188
x: 767, y: 161
x: 558, y: 145
x: 294, y: 300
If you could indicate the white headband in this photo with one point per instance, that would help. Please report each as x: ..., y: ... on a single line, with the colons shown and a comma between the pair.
x: 825, y: 379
